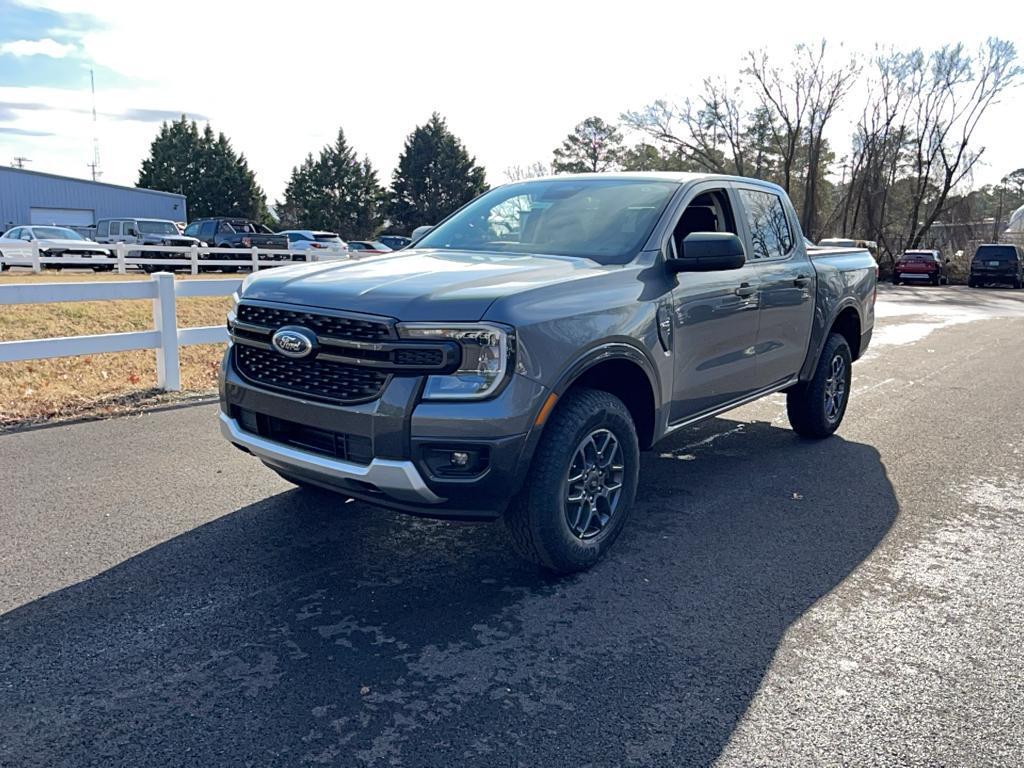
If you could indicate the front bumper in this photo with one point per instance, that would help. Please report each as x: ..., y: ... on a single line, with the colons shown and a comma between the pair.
x: 399, y: 479
x: 400, y: 434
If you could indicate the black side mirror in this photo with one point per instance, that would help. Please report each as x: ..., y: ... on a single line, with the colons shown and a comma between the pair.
x: 709, y: 252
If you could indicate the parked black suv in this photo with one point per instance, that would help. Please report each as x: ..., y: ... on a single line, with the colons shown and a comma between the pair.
x: 228, y: 232
x: 997, y: 263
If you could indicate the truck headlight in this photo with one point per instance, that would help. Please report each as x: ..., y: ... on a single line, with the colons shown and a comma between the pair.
x: 486, y: 352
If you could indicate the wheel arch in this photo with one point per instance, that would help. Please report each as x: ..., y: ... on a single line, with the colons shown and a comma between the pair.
x: 847, y: 322
x: 622, y: 370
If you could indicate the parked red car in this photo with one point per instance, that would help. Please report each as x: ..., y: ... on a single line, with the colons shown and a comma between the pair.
x: 918, y: 266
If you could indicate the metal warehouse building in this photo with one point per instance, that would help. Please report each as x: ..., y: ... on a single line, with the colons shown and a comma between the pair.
x: 30, y: 197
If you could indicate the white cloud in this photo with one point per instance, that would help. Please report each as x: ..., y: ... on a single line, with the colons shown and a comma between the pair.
x: 44, y: 47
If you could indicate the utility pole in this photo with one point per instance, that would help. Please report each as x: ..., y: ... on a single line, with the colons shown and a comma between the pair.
x: 19, y: 162
x: 999, y: 216
x: 95, y: 164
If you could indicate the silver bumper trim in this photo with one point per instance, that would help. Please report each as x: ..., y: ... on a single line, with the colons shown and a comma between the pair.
x: 399, y: 479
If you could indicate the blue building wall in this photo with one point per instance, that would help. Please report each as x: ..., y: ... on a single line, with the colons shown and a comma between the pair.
x: 21, y: 191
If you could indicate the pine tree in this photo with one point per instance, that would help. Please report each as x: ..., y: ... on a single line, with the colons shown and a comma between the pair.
x: 592, y: 147
x: 435, y: 176
x: 336, y: 192
x: 215, y: 180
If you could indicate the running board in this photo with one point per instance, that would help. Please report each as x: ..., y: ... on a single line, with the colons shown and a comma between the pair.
x: 731, y: 405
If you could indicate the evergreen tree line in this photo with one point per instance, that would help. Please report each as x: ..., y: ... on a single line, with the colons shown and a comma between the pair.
x: 910, y: 159
x: 334, y: 190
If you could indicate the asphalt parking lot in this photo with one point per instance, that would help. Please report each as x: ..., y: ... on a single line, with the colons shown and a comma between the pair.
x: 167, y: 601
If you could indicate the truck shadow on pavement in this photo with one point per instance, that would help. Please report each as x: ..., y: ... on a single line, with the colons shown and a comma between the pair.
x: 294, y: 632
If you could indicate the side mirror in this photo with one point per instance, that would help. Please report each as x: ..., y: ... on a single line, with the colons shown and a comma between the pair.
x: 420, y: 232
x: 709, y: 252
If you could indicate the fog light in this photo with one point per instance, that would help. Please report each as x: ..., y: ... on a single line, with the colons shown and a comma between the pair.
x: 456, y: 461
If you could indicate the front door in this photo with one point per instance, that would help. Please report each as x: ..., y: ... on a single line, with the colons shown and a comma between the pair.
x: 715, y: 316
x: 787, y: 285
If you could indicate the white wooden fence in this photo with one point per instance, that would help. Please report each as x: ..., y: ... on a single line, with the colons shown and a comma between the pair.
x: 194, y: 257
x: 165, y: 337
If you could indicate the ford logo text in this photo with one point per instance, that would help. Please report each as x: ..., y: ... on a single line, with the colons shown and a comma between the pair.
x: 293, y: 341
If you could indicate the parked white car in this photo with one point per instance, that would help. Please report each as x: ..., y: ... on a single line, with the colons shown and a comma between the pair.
x: 321, y: 246
x: 52, y: 241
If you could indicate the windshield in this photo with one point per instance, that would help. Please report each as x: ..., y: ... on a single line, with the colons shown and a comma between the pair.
x: 157, y: 227
x: 56, y: 233
x: 326, y: 237
x: 604, y: 219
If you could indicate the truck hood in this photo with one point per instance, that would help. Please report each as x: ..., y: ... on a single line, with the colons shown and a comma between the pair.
x: 169, y: 240
x: 417, y: 285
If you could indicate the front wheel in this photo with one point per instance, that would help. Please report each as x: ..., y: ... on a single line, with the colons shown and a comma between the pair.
x: 581, y: 484
x: 3, y: 264
x: 816, y: 407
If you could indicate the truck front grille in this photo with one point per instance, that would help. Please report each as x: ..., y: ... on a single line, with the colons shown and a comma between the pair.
x: 333, y: 326
x: 319, y: 379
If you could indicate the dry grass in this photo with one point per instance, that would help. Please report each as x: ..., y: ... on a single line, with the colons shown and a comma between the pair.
x: 96, y: 385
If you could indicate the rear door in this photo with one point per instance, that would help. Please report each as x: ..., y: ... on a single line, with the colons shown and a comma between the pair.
x: 786, y: 281
x: 714, y: 313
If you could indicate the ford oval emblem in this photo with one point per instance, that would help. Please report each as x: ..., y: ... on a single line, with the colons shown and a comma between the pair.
x: 293, y: 341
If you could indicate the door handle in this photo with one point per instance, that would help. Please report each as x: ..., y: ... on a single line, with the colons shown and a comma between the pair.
x: 745, y: 289
x: 801, y: 281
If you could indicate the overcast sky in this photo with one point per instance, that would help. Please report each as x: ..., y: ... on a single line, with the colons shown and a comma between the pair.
x: 512, y: 79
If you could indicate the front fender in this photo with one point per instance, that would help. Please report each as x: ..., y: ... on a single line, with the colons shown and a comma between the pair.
x: 618, y: 349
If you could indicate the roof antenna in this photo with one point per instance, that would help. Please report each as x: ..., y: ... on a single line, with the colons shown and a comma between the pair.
x: 18, y: 161
x: 95, y: 164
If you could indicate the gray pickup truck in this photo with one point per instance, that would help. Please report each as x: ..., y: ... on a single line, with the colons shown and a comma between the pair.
x: 513, y: 362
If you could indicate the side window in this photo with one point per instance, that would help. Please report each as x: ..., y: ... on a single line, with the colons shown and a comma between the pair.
x: 707, y: 212
x: 115, y: 227
x: 103, y: 229
x: 192, y: 230
x: 769, y: 226
x: 14, y: 234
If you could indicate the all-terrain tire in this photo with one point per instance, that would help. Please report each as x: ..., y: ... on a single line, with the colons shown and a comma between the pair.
x: 537, y: 520
x: 816, y: 407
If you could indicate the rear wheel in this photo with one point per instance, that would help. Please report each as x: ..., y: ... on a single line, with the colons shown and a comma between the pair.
x: 3, y: 264
x: 580, y: 486
x: 895, y: 279
x: 816, y: 407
